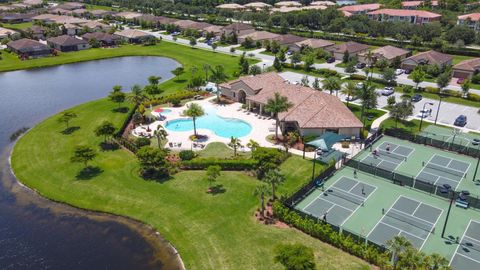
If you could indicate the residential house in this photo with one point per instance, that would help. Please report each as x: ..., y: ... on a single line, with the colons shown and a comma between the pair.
x: 312, y: 43
x: 257, y: 6
x: 322, y: 3
x: 184, y: 24
x: 427, y: 58
x: 67, y: 43
x: 471, y: 20
x: 288, y: 39
x: 32, y: 3
x: 60, y: 11
x: 29, y: 48
x: 232, y: 6
x: 105, y: 39
x: 466, y: 68
x: 403, y: 15
x: 165, y: 20
x: 100, y: 13
x: 417, y: 4
x: 313, y: 112
x: 134, y: 35
x: 239, y: 29
x: 16, y: 17
x: 215, y: 29
x: 70, y: 29
x: 353, y: 49
x: 258, y: 36
x: 7, y: 33
x: 79, y: 12
x: 71, y: 5
x: 359, y: 9
x: 35, y: 32
x: 389, y: 53
x: 128, y: 15
x: 95, y: 26
x: 288, y: 4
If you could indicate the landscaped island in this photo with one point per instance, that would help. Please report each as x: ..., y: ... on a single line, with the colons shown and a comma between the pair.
x: 211, y: 231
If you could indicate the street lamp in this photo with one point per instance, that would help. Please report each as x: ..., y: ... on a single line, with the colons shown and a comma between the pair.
x: 448, y: 189
x: 263, y: 69
x: 438, y: 109
x: 422, y: 112
x: 478, y: 161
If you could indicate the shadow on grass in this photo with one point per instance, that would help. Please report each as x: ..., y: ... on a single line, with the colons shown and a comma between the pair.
x: 69, y: 130
x: 215, y: 190
x: 153, y: 175
x: 88, y: 173
x: 107, y: 146
x: 180, y: 81
x: 120, y: 110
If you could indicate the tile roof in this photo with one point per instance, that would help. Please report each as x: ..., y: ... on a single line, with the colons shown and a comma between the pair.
x: 470, y: 65
x: 132, y: 33
x: 128, y: 15
x: 390, y: 52
x: 184, y: 23
x: 260, y: 35
x: 288, y: 4
x: 288, y: 39
x: 6, y: 32
x: 351, y: 47
x: 257, y: 5
x: 471, y: 16
x: 66, y: 40
x: 360, y: 8
x: 27, y: 45
x: 405, y: 12
x: 95, y: 24
x: 238, y: 26
x: 430, y: 57
x: 230, y: 6
x: 311, y: 108
x: 315, y: 43
x: 322, y: 3
x: 416, y: 3
x: 100, y: 36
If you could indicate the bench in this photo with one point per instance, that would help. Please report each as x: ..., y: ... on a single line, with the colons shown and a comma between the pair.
x: 461, y: 203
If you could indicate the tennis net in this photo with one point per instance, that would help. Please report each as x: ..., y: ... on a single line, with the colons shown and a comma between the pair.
x: 445, y: 169
x: 412, y: 220
x: 346, y: 196
x: 390, y: 154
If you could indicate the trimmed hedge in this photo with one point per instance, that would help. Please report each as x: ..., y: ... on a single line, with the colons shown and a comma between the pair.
x: 172, y: 97
x: 225, y: 164
x: 325, y: 233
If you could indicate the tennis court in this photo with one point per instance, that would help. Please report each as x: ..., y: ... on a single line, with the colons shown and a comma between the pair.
x: 388, y: 156
x: 467, y: 255
x: 336, y: 204
x: 450, y: 135
x: 409, y: 218
x: 441, y: 170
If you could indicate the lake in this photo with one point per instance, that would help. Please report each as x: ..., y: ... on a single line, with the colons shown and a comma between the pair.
x: 39, y: 234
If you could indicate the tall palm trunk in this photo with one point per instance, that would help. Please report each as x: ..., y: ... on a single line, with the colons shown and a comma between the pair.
x: 262, y: 199
x: 194, y: 126
x: 276, y: 128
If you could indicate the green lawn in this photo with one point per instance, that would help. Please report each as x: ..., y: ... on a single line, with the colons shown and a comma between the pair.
x: 209, y: 231
x: 16, y: 26
x: 220, y: 150
x: 298, y: 172
x: 373, y: 113
x: 93, y: 7
x: 410, y: 126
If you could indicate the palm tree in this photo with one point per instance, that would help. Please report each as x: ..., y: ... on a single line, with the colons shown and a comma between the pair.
x: 218, y: 76
x: 206, y: 68
x: 397, y: 245
x: 369, y: 58
x: 332, y: 84
x: 277, y: 105
x: 262, y: 190
x: 274, y: 178
x: 160, y: 134
x: 252, y: 145
x: 154, y: 80
x: 411, y: 259
x: 368, y: 98
x: 137, y: 96
x: 194, y: 110
x: 435, y: 261
x: 349, y: 89
x: 235, y: 144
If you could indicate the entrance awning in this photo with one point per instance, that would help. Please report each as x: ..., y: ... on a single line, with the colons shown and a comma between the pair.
x: 326, y: 141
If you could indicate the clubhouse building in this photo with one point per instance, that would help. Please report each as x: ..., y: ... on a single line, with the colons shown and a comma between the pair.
x: 313, y: 112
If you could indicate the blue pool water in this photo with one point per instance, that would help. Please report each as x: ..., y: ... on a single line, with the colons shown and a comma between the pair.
x: 223, y: 127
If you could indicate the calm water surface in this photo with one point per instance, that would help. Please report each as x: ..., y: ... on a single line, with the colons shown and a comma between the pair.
x: 38, y: 234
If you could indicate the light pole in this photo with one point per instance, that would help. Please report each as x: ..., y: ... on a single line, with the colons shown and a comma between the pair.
x: 478, y: 162
x: 422, y: 114
x: 449, y: 189
x: 438, y: 109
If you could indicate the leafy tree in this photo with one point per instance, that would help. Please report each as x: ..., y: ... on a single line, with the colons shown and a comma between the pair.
x: 178, y: 71
x: 161, y: 134
x: 248, y: 43
x: 252, y: 145
x: 316, y: 84
x: 234, y: 143
x: 274, y: 178
x: 397, y: 245
x: 350, y: 68
x: 295, y: 257
x: 281, y: 56
x: 443, y: 80
x: 213, y: 172
x: 66, y: 117
x: 346, y: 57
x: 418, y: 76
x: 295, y: 59
x: 389, y: 75
x: 382, y: 64
x: 391, y: 101
x: 193, y: 42
x: 368, y: 98
x: 83, y: 154
x: 261, y: 191
x: 460, y: 32
x: 243, y: 63
x: 232, y: 50
x: 349, y: 89
x: 305, y: 82
x: 274, y: 47
x: 276, y: 105
x: 154, y: 80
x: 401, y: 110
x: 105, y: 129
x: 194, y: 110
x: 152, y: 160
x: 466, y: 87
x: 255, y: 70
x: 308, y: 61
x: 218, y: 76
x: 332, y: 84
x: 136, y: 95
x: 277, y: 65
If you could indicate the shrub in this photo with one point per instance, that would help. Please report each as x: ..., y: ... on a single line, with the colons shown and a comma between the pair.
x: 140, y: 142
x: 327, y: 72
x: 473, y: 97
x: 476, y: 78
x: 432, y: 90
x: 452, y: 93
x: 186, y: 154
x: 225, y: 164
x: 357, y: 77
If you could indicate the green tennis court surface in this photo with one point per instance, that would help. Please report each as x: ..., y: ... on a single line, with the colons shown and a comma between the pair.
x: 369, y: 205
x: 449, y: 136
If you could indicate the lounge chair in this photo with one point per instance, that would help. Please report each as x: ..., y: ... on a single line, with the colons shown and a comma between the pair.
x: 179, y: 145
x: 170, y: 144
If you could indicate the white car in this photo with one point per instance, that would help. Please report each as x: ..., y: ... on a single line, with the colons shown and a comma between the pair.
x: 399, y: 71
x: 387, y: 91
x: 359, y: 85
x: 425, y: 113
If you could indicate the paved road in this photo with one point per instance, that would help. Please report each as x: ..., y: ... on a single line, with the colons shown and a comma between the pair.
x: 448, y: 111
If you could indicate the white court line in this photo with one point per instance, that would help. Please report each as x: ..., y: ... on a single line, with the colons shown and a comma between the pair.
x: 334, y: 204
x: 358, y: 207
x: 436, y: 179
x: 352, y: 187
x: 400, y: 231
x: 383, y: 217
x: 459, y: 244
x: 434, y: 224
x: 321, y: 193
x: 466, y: 257
x: 421, y: 203
x: 451, y: 159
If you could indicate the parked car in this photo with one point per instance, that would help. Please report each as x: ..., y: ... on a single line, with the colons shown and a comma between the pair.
x: 416, y: 98
x: 475, y: 141
x: 461, y: 80
x: 331, y: 60
x: 399, y: 71
x: 351, y: 98
x: 407, y: 71
x: 289, y: 52
x: 425, y: 113
x: 175, y: 33
x: 361, y: 65
x: 387, y: 91
x: 359, y: 85
x: 461, y: 121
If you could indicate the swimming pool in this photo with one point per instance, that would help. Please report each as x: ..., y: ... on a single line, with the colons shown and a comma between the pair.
x: 223, y: 127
